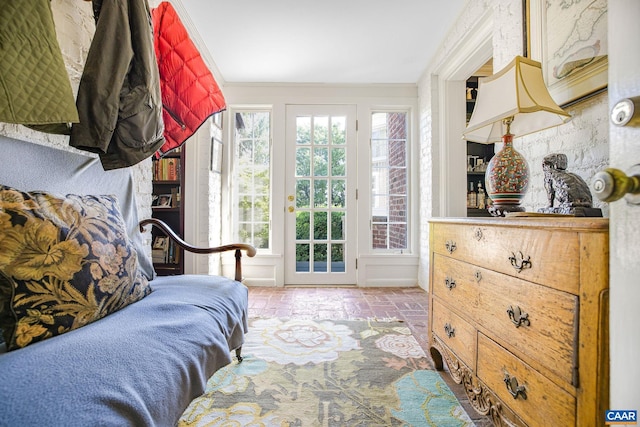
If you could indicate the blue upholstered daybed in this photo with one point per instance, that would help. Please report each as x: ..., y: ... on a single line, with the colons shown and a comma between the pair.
x: 140, y: 365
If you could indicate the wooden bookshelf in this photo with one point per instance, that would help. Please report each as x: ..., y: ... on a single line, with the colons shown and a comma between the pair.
x: 168, y: 206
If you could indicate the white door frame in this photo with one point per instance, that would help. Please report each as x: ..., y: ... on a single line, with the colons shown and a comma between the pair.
x: 450, y: 176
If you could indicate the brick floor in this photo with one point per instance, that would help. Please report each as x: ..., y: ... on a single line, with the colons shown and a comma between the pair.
x: 305, y: 302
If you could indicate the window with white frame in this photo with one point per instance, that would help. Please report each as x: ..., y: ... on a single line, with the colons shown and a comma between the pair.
x: 389, y: 180
x: 251, y: 177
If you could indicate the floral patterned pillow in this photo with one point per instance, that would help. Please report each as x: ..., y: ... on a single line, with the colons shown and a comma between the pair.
x: 64, y: 262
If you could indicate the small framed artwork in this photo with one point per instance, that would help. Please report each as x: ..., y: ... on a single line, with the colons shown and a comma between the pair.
x: 216, y: 155
x: 216, y: 120
x: 161, y: 201
x: 161, y: 242
x: 570, y: 41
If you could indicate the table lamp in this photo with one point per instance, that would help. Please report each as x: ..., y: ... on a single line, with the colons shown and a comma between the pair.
x: 513, y: 102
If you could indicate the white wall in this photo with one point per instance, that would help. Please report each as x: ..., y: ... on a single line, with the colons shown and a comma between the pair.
x: 584, y: 139
x: 202, y: 203
x: 201, y: 198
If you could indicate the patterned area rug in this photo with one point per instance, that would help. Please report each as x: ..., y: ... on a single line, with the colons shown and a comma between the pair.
x: 327, y: 373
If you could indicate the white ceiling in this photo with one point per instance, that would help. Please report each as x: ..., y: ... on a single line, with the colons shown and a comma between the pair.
x: 328, y: 41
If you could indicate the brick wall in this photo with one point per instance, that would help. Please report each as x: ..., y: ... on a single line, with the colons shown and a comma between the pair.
x: 397, y: 126
x: 394, y: 226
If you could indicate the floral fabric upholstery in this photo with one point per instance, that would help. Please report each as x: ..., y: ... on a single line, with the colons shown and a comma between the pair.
x: 64, y: 262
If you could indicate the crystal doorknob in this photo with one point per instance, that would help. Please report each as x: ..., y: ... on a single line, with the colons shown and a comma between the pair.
x: 612, y: 184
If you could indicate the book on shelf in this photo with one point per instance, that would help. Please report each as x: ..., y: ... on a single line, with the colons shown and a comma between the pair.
x: 173, y: 253
x: 165, y: 251
x: 166, y: 169
x: 171, y: 169
x: 157, y: 256
x: 175, y: 197
x: 159, y: 249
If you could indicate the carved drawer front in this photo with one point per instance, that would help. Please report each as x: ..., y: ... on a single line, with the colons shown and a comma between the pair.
x: 538, y: 321
x: 457, y: 334
x: 456, y: 283
x: 549, y: 257
x: 532, y: 396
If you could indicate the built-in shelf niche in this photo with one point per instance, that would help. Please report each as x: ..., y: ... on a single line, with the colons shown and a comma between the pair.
x: 477, y: 154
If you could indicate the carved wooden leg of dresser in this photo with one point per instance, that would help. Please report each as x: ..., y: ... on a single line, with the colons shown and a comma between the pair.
x: 480, y: 397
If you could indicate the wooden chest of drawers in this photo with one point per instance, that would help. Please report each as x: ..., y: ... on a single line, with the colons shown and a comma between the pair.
x: 519, y: 312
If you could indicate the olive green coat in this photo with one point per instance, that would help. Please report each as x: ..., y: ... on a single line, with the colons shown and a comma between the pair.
x: 34, y: 84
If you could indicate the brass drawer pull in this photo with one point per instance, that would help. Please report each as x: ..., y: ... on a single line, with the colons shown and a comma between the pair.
x: 478, y: 234
x: 518, y: 317
x: 513, y: 388
x: 449, y: 283
x: 450, y: 245
x: 449, y: 330
x: 478, y: 276
x: 519, y: 262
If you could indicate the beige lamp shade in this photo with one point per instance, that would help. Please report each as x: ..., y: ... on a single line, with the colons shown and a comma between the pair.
x: 517, y: 91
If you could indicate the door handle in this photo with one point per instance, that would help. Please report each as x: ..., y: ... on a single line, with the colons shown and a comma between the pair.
x: 291, y: 198
x: 613, y: 184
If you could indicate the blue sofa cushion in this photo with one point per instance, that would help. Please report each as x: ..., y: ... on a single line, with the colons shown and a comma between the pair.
x: 67, y: 261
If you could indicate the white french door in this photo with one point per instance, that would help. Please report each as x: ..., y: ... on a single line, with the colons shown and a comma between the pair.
x: 320, y: 195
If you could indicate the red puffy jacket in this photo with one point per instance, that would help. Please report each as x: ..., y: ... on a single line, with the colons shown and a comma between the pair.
x: 189, y: 91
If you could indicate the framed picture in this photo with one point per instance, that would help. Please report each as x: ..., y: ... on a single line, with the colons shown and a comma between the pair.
x: 569, y: 38
x: 161, y: 201
x: 216, y: 155
x: 216, y: 120
x: 161, y: 242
